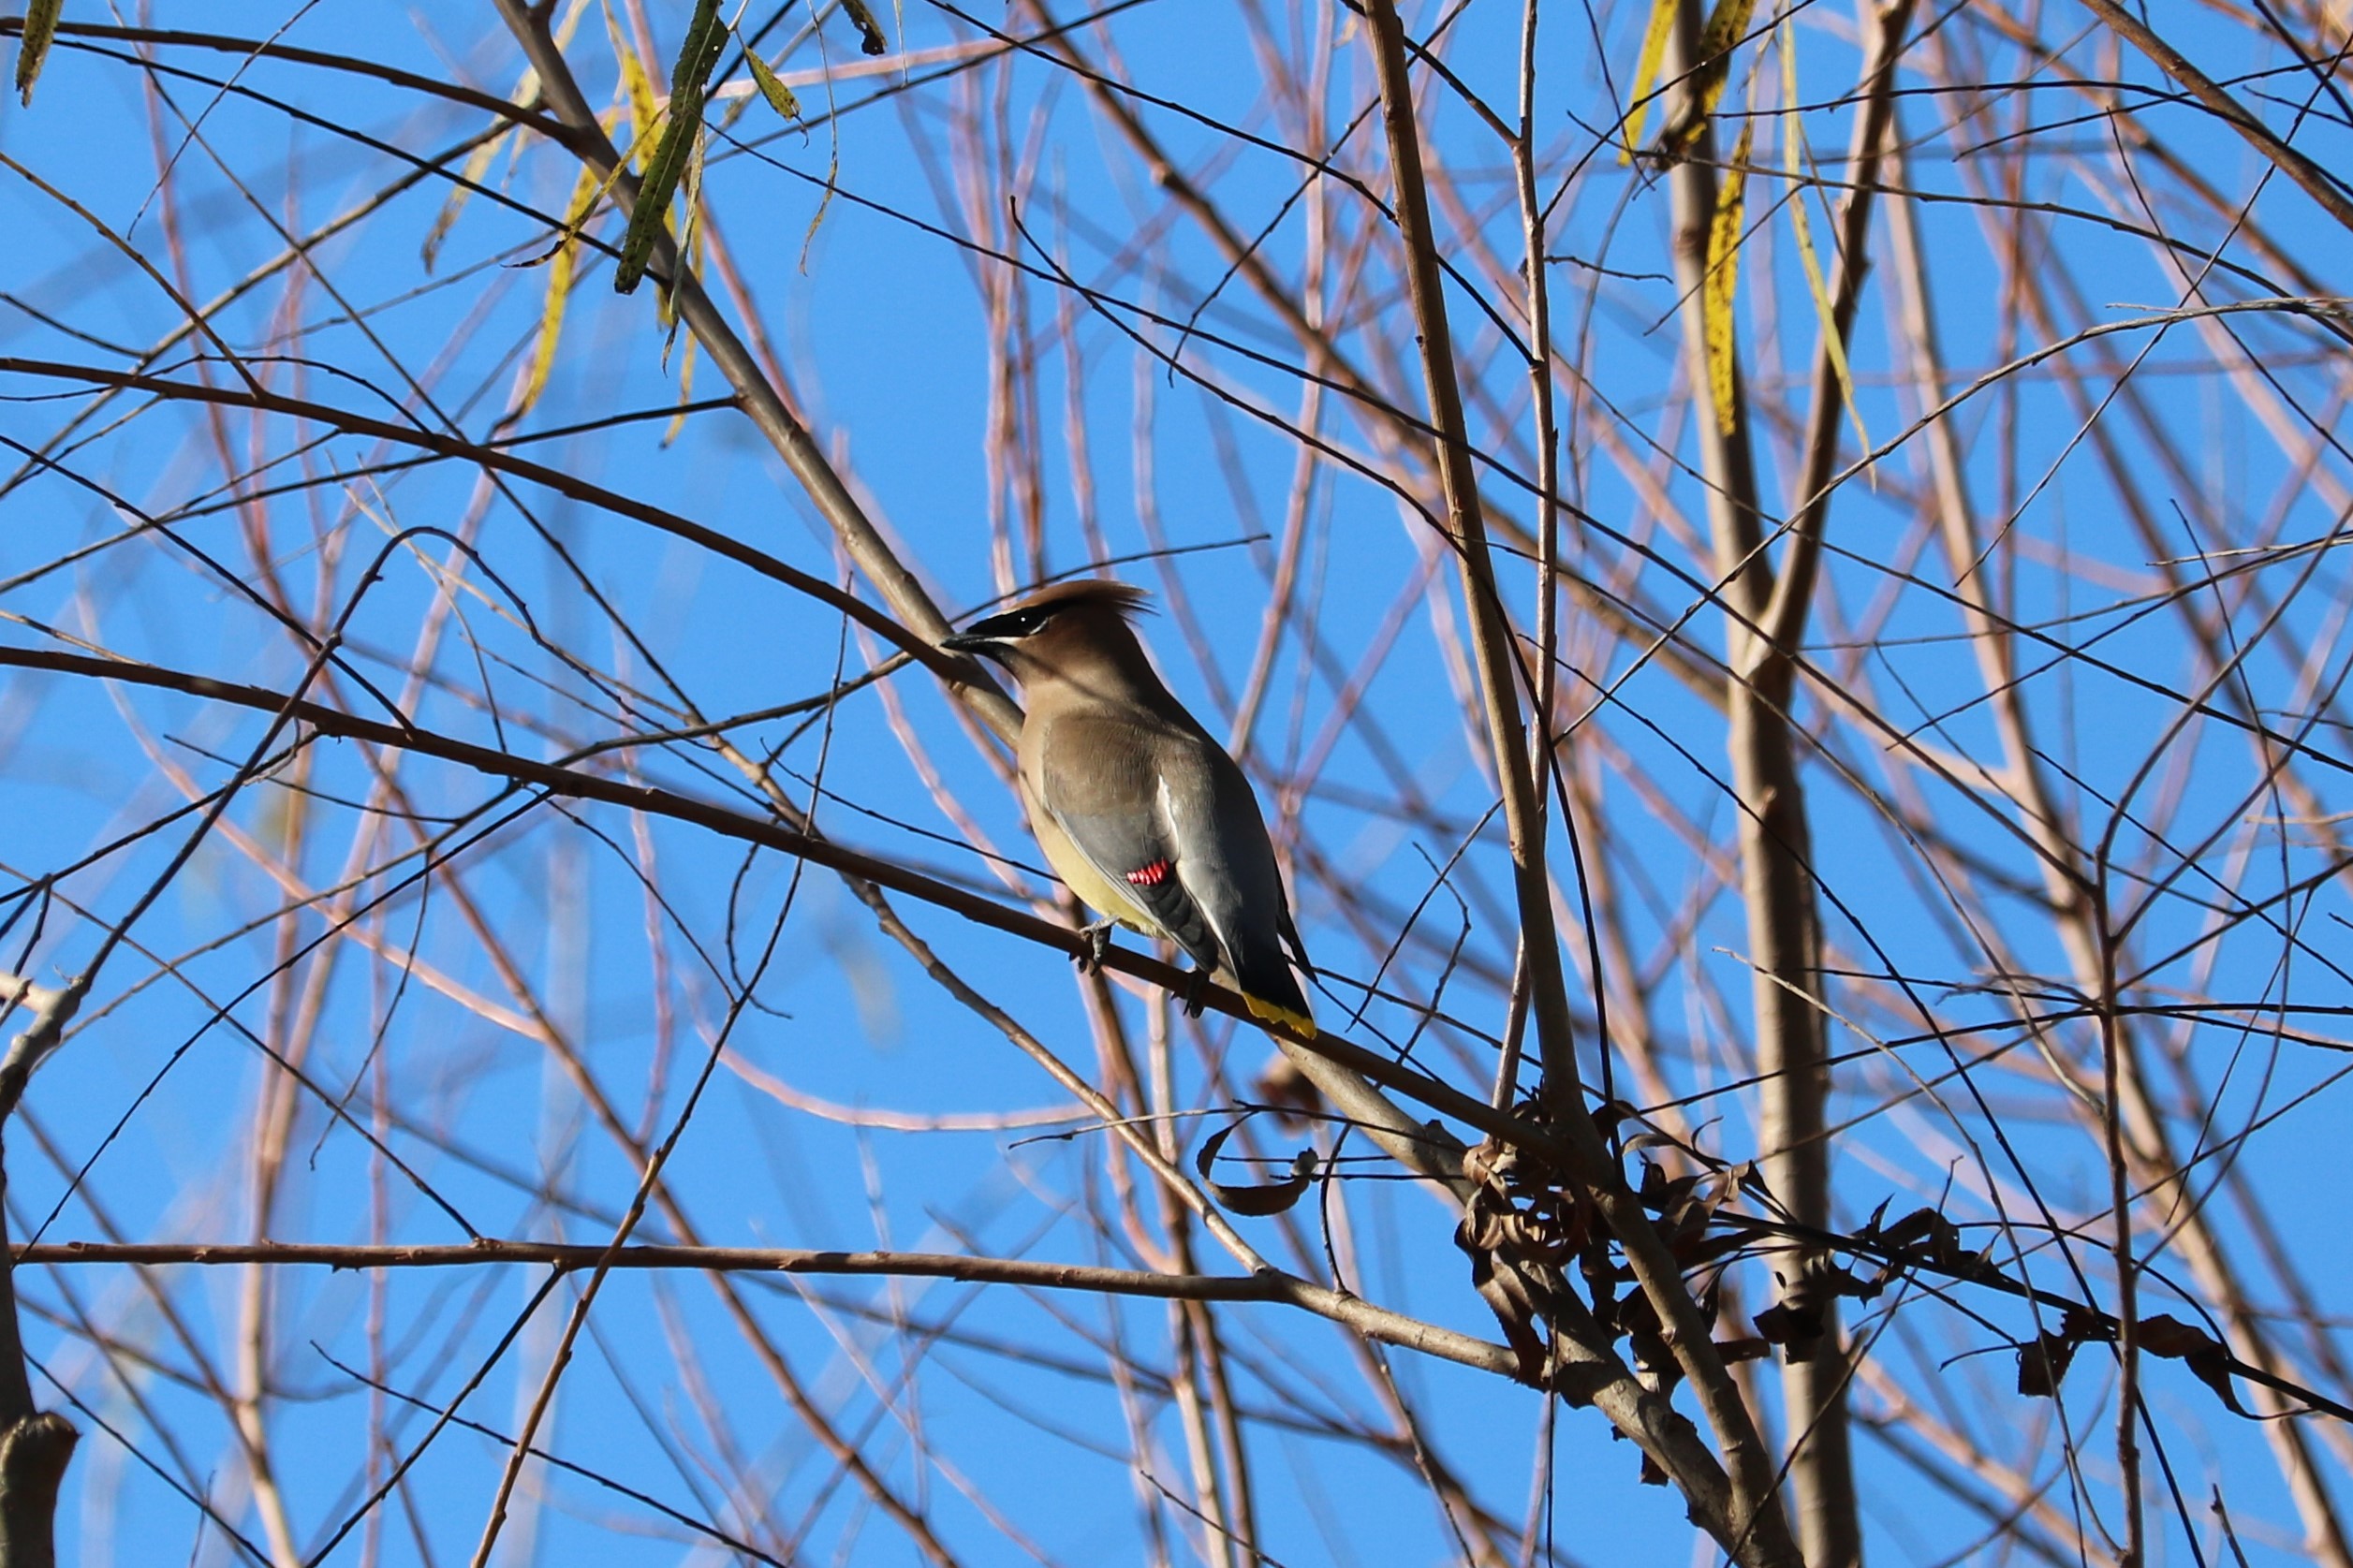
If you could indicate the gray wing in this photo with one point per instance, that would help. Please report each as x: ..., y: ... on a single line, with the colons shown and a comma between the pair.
x: 1109, y: 807
x: 1168, y: 814
x: 1228, y: 867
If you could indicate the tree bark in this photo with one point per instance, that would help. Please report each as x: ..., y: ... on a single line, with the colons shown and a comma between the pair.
x: 35, y: 1445
x: 1765, y: 616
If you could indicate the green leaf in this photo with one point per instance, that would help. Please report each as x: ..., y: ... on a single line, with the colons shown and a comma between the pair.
x: 706, y: 36
x: 699, y: 56
x: 40, y: 26
x: 869, y: 38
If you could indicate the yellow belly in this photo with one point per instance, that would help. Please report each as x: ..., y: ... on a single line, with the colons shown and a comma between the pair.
x: 1095, y: 890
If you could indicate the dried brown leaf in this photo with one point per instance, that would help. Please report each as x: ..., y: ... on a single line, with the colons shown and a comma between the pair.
x: 1255, y: 1202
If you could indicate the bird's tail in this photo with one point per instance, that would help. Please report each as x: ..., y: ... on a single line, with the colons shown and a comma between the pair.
x: 1264, y: 978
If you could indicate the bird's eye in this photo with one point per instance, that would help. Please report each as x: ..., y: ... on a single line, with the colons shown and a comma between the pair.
x: 1026, y: 621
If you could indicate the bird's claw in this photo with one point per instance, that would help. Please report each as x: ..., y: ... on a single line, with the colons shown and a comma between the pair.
x: 1197, y: 993
x: 1099, y: 942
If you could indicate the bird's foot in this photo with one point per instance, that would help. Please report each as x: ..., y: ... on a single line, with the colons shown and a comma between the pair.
x: 1099, y: 942
x: 1196, y: 993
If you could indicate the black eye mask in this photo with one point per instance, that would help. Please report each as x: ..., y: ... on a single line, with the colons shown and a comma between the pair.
x: 1011, y: 625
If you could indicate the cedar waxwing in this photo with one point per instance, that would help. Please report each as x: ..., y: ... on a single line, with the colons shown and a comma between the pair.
x: 1137, y: 808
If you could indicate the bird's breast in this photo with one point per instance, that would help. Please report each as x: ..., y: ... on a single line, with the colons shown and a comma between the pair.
x: 1095, y: 890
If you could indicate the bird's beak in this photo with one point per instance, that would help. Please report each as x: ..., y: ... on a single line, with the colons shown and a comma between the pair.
x: 989, y: 636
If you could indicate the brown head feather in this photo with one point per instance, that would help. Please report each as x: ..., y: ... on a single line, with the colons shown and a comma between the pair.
x: 1122, y: 598
x: 1073, y: 637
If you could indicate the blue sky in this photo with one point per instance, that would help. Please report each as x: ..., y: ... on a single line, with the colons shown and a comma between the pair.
x: 885, y: 333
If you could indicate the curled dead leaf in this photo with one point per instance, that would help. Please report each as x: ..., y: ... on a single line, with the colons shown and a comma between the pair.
x: 1255, y: 1203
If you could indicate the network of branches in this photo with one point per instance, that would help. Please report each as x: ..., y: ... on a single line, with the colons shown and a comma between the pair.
x: 1772, y: 567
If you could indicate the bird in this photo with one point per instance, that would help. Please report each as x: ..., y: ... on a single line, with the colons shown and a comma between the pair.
x: 1137, y: 808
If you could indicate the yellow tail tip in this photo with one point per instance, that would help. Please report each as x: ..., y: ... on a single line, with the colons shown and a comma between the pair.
x: 1275, y: 1012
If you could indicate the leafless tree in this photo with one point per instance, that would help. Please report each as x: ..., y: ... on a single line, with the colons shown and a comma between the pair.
x: 1773, y: 567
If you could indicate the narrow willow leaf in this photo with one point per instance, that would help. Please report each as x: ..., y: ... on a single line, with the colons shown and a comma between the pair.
x: 1793, y: 160
x: 645, y: 105
x: 699, y: 56
x: 686, y: 392
x: 682, y: 130
x: 869, y: 38
x: 476, y: 169
x: 651, y: 211
x: 564, y: 31
x: 770, y: 86
x: 586, y: 190
x: 689, y: 249
x: 1727, y: 26
x: 1724, y: 273
x: 1792, y: 132
x: 477, y: 163
x: 1646, y: 73
x: 40, y: 27
x: 1823, y: 309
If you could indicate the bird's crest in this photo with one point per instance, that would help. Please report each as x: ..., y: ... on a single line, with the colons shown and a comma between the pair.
x: 1034, y: 612
x: 1123, y: 599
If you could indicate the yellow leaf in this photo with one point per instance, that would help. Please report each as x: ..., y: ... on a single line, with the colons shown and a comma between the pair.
x: 686, y: 391
x: 1727, y: 26
x: 477, y: 168
x: 565, y: 28
x: 779, y: 97
x: 40, y: 27
x: 1723, y: 278
x: 1662, y: 27
x: 1792, y: 133
x: 477, y: 163
x: 1793, y: 160
x: 690, y: 245
x: 585, y: 192
x: 645, y: 105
